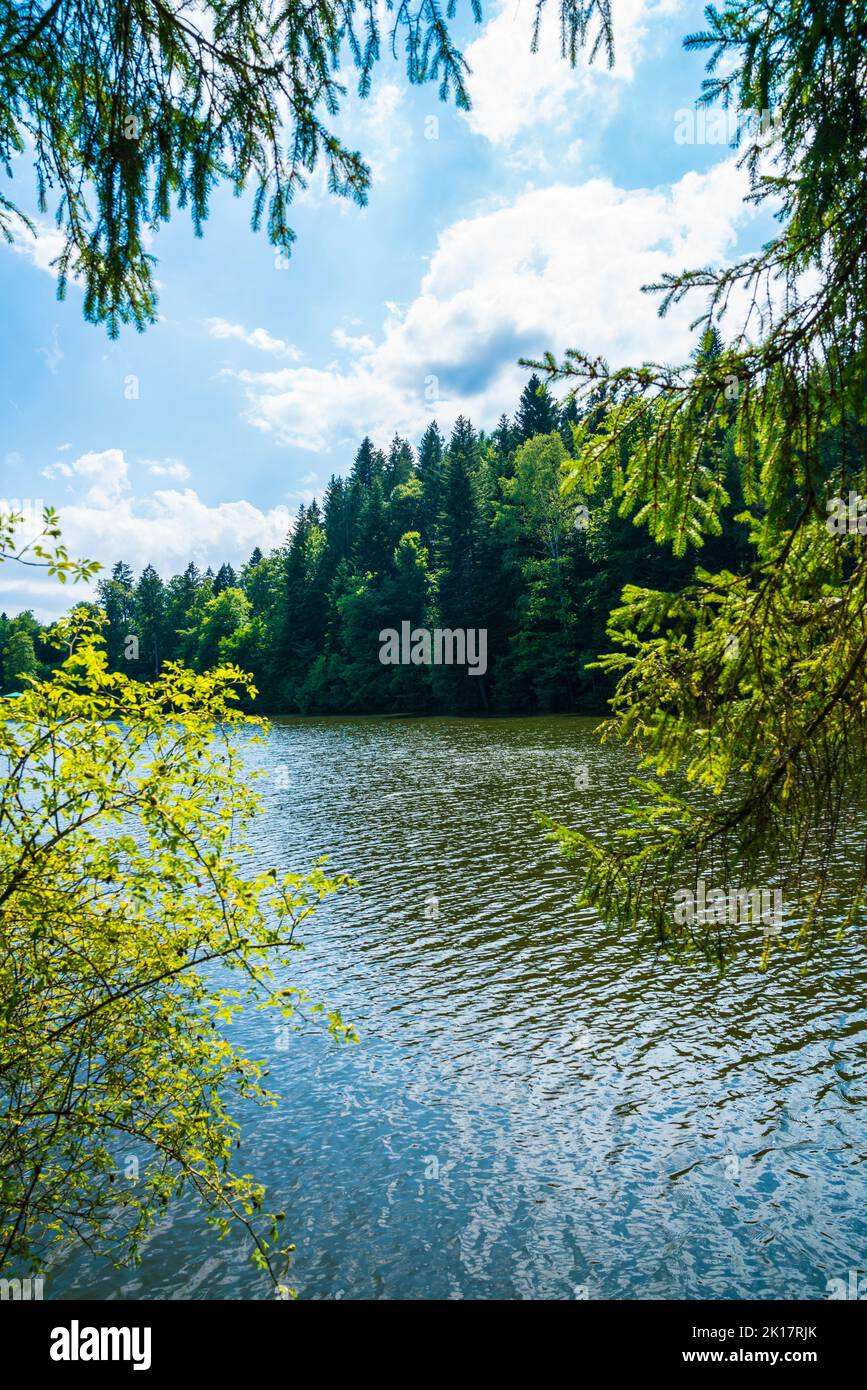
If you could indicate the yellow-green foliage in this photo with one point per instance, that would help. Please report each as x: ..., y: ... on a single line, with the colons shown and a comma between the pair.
x: 130, y: 934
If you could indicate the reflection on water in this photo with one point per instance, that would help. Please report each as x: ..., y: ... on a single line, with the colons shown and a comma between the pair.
x: 533, y: 1111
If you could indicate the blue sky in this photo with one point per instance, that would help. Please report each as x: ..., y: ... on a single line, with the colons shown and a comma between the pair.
x: 529, y: 223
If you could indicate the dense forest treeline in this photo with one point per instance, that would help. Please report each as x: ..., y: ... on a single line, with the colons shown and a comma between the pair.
x: 469, y: 532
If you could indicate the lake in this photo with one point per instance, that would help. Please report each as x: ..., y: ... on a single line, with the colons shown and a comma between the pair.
x: 535, y: 1109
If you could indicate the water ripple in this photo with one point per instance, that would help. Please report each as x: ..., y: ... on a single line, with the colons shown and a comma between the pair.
x: 534, y: 1109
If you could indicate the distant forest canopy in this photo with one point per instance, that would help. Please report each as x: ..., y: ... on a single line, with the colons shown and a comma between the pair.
x: 469, y: 532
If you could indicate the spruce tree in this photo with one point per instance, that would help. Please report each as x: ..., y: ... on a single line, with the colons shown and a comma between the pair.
x: 400, y: 464
x: 431, y: 474
x: 537, y: 412
x: 365, y: 467
x: 225, y: 579
x: 503, y: 440
x: 338, y: 522
x: 459, y: 525
x: 372, y: 549
x: 180, y: 601
x: 117, y: 600
x: 150, y: 619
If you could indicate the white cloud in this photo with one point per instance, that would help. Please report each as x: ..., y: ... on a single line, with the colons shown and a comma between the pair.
x: 105, y: 521
x: 379, y: 126
x: 16, y: 595
x: 350, y: 343
x: 167, y: 468
x: 171, y: 527
x: 513, y: 89
x: 257, y: 338
x: 106, y: 473
x: 560, y: 267
x: 42, y: 248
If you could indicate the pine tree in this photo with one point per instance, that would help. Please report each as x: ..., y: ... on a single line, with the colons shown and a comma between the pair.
x: 339, y: 519
x: 373, y: 549
x: 301, y: 605
x: 431, y: 473
x: 225, y: 579
x: 365, y: 467
x: 406, y: 597
x: 570, y: 416
x: 180, y: 600
x: 150, y: 618
x: 459, y: 529
x: 400, y: 464
x: 537, y: 412
x: 116, y: 597
x: 503, y: 440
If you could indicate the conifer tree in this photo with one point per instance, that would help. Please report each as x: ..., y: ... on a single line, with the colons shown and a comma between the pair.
x: 225, y: 579
x: 338, y: 522
x: 372, y: 549
x: 459, y: 590
x: 764, y: 670
x: 150, y: 619
x: 406, y: 597
x: 400, y: 464
x: 365, y: 467
x: 431, y: 474
x: 536, y: 414
x: 300, y: 615
x: 117, y: 600
x: 503, y: 440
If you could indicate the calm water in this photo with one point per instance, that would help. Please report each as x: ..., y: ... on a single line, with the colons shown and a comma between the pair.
x: 533, y: 1111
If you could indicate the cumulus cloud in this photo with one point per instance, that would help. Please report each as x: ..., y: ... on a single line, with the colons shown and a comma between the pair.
x: 106, y: 475
x: 542, y: 89
x: 171, y: 527
x: 42, y: 246
x: 257, y: 338
x: 352, y: 342
x: 560, y: 267
x: 167, y: 468
x: 104, y: 520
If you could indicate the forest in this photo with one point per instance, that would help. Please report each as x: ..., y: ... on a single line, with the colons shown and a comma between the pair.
x: 472, y: 531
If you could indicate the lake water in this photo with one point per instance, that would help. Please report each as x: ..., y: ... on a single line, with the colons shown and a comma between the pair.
x: 535, y: 1109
